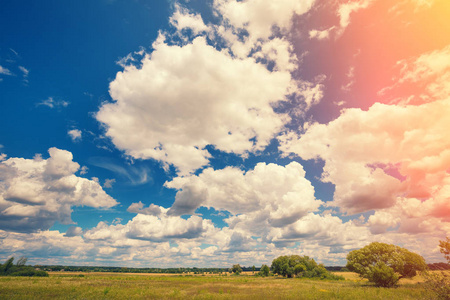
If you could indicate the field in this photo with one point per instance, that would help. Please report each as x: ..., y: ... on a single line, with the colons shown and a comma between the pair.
x: 144, y: 286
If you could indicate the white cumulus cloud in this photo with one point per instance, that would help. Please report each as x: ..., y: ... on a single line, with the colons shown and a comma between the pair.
x: 281, y: 194
x: 35, y: 193
x: 185, y: 98
x: 75, y: 134
x: 376, y: 155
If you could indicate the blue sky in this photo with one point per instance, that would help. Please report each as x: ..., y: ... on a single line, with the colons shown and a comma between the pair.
x: 206, y: 133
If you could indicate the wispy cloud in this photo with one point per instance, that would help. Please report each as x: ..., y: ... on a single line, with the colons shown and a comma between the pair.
x: 52, y: 103
x: 5, y: 71
x: 25, y: 71
x: 135, y: 175
x: 14, y: 51
x: 344, y: 12
x: 321, y: 34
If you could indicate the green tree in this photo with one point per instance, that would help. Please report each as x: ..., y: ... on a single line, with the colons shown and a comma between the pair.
x: 20, y: 269
x: 22, y: 261
x: 236, y: 269
x: 5, y: 268
x: 300, y: 266
x: 264, y: 271
x: 253, y: 268
x: 385, y: 264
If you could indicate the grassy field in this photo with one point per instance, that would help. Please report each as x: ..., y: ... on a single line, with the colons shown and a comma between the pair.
x: 137, y: 286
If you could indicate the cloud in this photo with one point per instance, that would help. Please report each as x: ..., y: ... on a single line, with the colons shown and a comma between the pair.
x: 158, y: 229
x: 36, y: 193
x: 204, y: 97
x: 329, y: 231
x: 431, y: 70
x: 351, y: 77
x: 52, y: 103
x: 371, y: 162
x: 374, y: 157
x: 321, y: 34
x: 343, y: 12
x: 183, y: 19
x: 109, y: 183
x: 259, y: 29
x: 154, y: 228
x: 208, y: 95
x: 280, y: 193
x: 25, y: 71
x: 73, y: 231
x: 13, y: 51
x: 431, y: 64
x: 152, y: 210
x: 131, y: 58
x: 398, y: 8
x: 134, y: 174
x: 110, y: 245
x: 258, y: 17
x: 75, y: 135
x: 413, y: 216
x: 84, y: 170
x: 5, y: 71
x: 346, y: 9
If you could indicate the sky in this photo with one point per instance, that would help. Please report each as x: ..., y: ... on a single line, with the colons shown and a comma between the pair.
x: 208, y: 133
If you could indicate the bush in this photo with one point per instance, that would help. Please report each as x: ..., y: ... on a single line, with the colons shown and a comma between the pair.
x: 439, y: 283
x: 294, y: 265
x: 29, y: 271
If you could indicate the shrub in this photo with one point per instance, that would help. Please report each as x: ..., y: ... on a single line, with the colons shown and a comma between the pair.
x: 29, y: 271
x: 439, y: 283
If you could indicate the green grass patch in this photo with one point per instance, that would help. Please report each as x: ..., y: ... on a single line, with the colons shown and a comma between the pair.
x: 126, y: 286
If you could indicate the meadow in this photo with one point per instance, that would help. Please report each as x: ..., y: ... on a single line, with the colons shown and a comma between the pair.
x: 60, y: 285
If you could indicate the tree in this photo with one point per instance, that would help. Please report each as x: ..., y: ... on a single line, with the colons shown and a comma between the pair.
x: 300, y: 266
x: 385, y: 264
x: 264, y: 272
x: 236, y: 269
x: 445, y: 248
x: 22, y: 261
x: 19, y: 269
x: 439, y: 282
x: 253, y: 268
x: 7, y: 266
